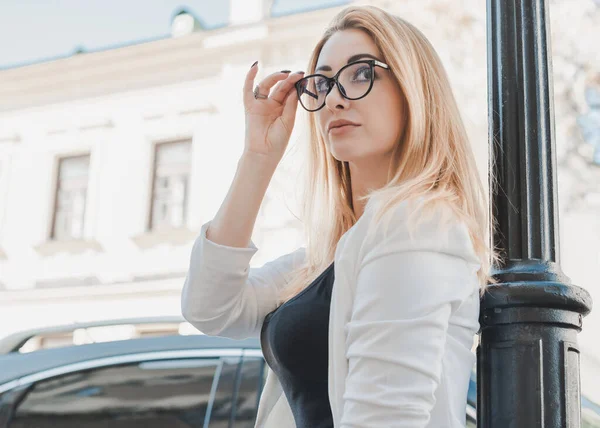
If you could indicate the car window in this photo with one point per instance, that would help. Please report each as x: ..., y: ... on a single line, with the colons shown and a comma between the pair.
x: 153, y: 394
x: 238, y: 390
x: 225, y: 385
x: 251, y: 383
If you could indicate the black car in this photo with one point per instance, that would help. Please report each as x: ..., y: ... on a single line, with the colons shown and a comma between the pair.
x: 171, y: 380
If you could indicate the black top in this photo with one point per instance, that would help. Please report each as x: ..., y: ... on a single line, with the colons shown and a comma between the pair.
x: 294, y: 340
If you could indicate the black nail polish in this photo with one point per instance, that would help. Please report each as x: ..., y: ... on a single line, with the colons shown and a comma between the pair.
x: 254, y: 64
x: 299, y: 72
x: 286, y: 71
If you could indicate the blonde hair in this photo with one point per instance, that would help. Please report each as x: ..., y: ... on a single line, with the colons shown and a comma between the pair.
x: 432, y: 161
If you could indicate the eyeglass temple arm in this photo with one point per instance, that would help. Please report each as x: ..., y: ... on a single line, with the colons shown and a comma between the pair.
x: 380, y: 64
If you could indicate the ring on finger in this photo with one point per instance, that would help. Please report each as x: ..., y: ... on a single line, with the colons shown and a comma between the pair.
x: 258, y: 95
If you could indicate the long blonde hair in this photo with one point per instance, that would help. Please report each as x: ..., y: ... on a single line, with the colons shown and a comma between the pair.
x: 433, y: 160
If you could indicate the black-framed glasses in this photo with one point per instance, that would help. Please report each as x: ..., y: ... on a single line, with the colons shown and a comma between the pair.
x: 354, y: 81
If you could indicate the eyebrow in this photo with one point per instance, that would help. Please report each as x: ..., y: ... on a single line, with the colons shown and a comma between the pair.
x: 351, y: 59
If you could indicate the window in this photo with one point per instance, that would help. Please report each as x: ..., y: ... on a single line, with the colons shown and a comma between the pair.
x: 236, y: 400
x: 170, y: 185
x: 225, y: 387
x: 153, y: 394
x: 251, y: 384
x: 183, y: 392
x: 70, y: 198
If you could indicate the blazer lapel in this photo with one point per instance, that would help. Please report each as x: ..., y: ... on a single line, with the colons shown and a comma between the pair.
x: 273, y: 409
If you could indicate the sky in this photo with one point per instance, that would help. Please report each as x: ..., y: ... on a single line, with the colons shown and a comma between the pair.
x: 37, y: 30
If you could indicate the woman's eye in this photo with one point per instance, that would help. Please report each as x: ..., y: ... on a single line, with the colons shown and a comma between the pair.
x: 363, y: 74
x: 322, y: 86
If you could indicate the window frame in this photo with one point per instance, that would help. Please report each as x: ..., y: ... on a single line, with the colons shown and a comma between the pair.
x: 153, y: 177
x: 57, y: 183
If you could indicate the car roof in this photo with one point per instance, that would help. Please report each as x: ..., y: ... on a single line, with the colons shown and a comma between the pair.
x: 17, y: 365
x: 15, y: 340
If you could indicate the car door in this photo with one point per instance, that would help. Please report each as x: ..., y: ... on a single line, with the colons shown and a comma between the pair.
x: 148, y: 391
x: 238, y: 393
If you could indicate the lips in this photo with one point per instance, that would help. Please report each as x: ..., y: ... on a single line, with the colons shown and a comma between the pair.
x: 340, y: 123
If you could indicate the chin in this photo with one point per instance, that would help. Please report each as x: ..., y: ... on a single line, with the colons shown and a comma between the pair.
x: 343, y: 151
x: 345, y: 157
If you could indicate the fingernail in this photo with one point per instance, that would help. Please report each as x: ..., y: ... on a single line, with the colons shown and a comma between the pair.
x: 254, y: 64
x: 299, y: 72
x: 286, y: 71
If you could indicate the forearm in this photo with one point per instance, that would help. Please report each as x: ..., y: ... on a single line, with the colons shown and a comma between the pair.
x: 234, y: 222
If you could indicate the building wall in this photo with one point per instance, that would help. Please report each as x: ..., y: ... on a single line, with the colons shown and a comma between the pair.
x: 116, y: 105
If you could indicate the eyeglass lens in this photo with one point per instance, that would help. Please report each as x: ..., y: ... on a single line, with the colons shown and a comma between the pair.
x: 354, y: 82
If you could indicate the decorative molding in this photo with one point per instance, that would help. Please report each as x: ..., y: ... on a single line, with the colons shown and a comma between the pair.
x: 173, y: 236
x: 105, y: 123
x: 54, y: 132
x: 14, y: 139
x: 162, y: 62
x: 237, y: 36
x: 87, y: 294
x: 154, y: 116
x: 159, y: 276
x: 210, y: 109
x: 68, y: 282
x: 75, y: 246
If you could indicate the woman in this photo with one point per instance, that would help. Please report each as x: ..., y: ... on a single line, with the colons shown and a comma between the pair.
x: 372, y: 324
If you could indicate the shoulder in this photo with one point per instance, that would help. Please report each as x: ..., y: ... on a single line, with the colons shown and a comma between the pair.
x: 426, y: 249
x: 411, y: 226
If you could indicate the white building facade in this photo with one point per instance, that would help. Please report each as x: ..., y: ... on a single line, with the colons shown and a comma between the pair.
x: 111, y: 161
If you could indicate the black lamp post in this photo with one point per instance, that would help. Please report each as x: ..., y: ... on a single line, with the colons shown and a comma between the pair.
x: 528, y: 358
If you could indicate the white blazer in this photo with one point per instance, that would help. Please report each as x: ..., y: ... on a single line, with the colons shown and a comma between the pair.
x: 404, y: 312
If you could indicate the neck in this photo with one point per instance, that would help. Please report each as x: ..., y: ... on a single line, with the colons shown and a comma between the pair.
x: 364, y: 178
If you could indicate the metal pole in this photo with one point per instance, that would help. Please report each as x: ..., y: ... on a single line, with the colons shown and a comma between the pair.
x: 528, y: 358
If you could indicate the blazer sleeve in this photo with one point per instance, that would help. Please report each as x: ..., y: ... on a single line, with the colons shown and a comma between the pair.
x: 408, y: 284
x: 223, y: 296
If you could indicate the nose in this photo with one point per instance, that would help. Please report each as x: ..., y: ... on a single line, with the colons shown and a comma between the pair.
x: 334, y: 99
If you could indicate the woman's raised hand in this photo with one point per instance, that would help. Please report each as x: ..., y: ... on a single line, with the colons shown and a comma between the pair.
x: 269, y: 121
